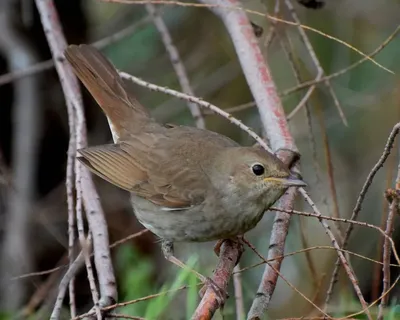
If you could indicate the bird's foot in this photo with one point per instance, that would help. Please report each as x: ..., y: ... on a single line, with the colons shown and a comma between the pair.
x: 221, y: 294
x: 238, y: 240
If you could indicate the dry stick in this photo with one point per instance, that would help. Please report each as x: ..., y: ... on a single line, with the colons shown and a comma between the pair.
x: 200, y: 102
x: 360, y: 223
x: 342, y: 258
x: 385, y: 209
x: 69, y: 183
x: 95, y: 215
x: 210, y: 302
x: 56, y: 40
x: 82, y: 238
x: 113, y: 245
x: 315, y: 59
x: 123, y: 304
x: 62, y: 287
x: 376, y: 301
x: 176, y: 63
x: 360, y: 200
x: 238, y: 289
x: 49, y: 64
x: 386, y: 256
x: 287, y: 48
x: 285, y: 280
x: 123, y: 316
x: 321, y: 72
x: 232, y: 8
x: 345, y: 70
x: 316, y: 248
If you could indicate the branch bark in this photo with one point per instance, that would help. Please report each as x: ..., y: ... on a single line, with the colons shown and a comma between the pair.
x: 84, y: 182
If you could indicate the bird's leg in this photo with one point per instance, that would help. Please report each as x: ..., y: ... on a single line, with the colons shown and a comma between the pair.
x: 168, y: 251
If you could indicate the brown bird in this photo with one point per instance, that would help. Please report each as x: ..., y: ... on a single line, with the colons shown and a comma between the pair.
x: 186, y: 184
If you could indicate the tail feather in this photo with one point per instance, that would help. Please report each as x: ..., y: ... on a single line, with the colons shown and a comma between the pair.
x: 102, y: 80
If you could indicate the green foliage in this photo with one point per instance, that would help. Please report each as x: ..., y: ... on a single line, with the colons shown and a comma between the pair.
x: 136, y: 282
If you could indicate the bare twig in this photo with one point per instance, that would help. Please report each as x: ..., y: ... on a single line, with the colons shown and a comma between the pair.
x: 315, y: 60
x: 70, y: 183
x: 176, y: 63
x: 342, y: 258
x: 318, y: 248
x: 200, y: 102
x: 113, y: 245
x: 393, y: 210
x: 210, y: 302
x: 62, y: 288
x: 360, y: 223
x: 49, y: 64
x: 237, y: 285
x: 386, y: 257
x: 286, y: 281
x: 84, y: 183
x: 345, y: 70
x: 358, y: 206
x: 126, y: 303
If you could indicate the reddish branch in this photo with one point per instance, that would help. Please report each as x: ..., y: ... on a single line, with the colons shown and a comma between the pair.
x: 259, y: 79
x: 210, y: 302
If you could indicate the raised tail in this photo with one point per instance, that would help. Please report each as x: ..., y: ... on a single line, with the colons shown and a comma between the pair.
x: 101, y: 78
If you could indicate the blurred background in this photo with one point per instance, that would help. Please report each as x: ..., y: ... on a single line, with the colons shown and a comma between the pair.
x: 336, y: 158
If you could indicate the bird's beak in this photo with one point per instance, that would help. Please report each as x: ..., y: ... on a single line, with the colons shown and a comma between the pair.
x: 290, y: 181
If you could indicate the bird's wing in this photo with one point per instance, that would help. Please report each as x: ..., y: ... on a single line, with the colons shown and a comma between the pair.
x: 154, y: 167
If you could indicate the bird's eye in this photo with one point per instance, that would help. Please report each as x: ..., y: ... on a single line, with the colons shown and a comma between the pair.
x: 258, y: 169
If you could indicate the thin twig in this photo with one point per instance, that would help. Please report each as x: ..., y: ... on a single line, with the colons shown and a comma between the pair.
x: 70, y: 183
x: 360, y: 223
x: 237, y: 8
x: 49, y: 64
x: 285, y: 280
x: 238, y: 289
x: 342, y: 258
x: 318, y: 248
x: 176, y: 63
x: 358, y: 206
x: 315, y: 60
x: 62, y: 288
x: 113, y: 245
x: 345, y: 70
x: 200, y: 102
x: 386, y: 256
x: 84, y: 183
x: 123, y: 304
x: 211, y: 302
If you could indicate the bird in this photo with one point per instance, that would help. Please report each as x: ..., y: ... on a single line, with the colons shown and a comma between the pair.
x: 186, y: 184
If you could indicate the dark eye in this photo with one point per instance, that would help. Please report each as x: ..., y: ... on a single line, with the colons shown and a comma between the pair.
x: 258, y: 169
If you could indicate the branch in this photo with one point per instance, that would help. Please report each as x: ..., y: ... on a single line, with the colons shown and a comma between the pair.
x: 94, y: 212
x: 259, y: 79
x: 227, y: 259
x: 360, y: 200
x: 176, y: 63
